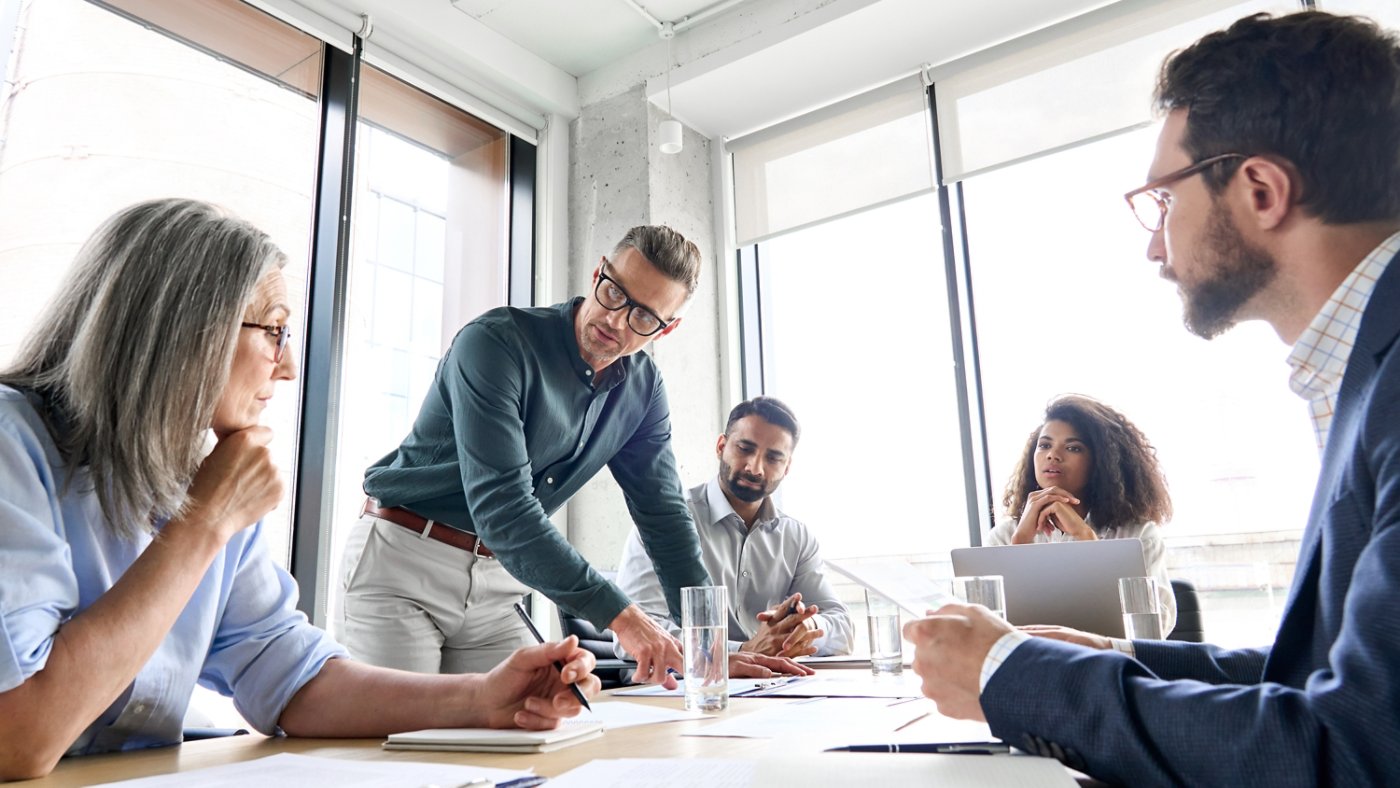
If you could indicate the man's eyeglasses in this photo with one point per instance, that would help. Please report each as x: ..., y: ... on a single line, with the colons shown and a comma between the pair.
x: 1150, y: 203
x: 280, y: 333
x: 610, y: 294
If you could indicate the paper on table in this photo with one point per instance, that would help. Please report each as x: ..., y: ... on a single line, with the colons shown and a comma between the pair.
x: 736, y: 687
x: 650, y: 772
x: 895, y: 580
x: 821, y: 769
x: 824, y: 718
x: 944, y: 771
x: 621, y: 714
x: 288, y: 770
x: 846, y: 684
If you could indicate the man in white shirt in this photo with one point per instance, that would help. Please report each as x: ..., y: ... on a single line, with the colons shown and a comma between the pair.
x: 780, y: 602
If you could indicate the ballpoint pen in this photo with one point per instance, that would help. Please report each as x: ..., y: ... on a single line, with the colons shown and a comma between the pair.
x: 951, y: 748
x: 530, y: 625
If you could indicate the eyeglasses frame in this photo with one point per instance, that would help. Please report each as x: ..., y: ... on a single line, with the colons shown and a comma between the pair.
x: 626, y: 303
x: 1155, y: 184
x: 281, y: 333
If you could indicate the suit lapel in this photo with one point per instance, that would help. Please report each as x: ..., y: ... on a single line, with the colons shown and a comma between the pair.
x: 1380, y: 324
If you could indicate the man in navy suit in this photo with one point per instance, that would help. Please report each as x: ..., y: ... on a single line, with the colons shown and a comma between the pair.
x: 1274, y: 195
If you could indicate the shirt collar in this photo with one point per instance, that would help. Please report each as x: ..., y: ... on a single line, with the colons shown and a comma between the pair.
x: 720, y: 508
x: 612, y: 374
x: 1319, y: 357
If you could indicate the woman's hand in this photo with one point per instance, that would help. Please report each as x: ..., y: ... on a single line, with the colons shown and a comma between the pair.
x: 528, y: 691
x: 236, y: 484
x: 1034, y: 515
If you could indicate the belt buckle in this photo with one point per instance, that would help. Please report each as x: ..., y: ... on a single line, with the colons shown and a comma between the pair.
x: 364, y: 507
x: 478, y: 546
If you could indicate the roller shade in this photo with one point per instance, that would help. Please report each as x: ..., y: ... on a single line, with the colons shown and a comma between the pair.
x: 865, y: 151
x: 1072, y: 83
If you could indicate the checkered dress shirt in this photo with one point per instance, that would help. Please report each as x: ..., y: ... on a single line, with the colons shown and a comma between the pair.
x: 1319, y: 357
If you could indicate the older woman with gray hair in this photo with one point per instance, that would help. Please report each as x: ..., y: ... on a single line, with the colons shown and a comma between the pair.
x: 132, y: 564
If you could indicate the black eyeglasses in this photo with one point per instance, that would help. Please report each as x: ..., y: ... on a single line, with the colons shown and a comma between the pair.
x: 610, y: 294
x: 281, y: 335
x: 1149, y: 203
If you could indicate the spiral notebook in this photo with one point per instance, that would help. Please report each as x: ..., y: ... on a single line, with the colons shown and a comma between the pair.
x: 567, y: 734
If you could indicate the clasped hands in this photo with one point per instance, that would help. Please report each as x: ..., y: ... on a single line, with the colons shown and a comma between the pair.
x: 786, y: 630
x: 1050, y: 510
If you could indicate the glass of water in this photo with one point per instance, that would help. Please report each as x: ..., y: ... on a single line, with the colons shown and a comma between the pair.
x: 886, y: 640
x: 985, y: 590
x: 704, y: 637
x: 1142, y: 612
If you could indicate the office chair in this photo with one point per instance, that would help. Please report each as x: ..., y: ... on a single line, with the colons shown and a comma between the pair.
x: 1189, y: 627
x: 613, y: 672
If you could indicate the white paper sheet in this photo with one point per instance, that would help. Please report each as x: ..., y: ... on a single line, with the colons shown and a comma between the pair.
x: 818, y: 719
x: 289, y: 770
x: 651, y: 772
x: 821, y: 771
x: 895, y: 580
x: 737, y: 687
x: 621, y: 714
x: 846, y: 684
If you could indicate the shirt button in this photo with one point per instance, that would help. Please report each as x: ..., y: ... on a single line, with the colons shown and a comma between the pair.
x: 139, y: 708
x: 549, y: 480
x: 746, y: 573
x: 589, y: 373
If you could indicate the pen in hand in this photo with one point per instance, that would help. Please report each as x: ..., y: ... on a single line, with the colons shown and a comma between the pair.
x: 530, y: 625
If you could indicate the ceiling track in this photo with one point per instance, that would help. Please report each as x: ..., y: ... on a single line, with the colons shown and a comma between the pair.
x: 669, y: 29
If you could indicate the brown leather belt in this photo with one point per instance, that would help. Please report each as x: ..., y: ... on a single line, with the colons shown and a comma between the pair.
x: 421, y: 525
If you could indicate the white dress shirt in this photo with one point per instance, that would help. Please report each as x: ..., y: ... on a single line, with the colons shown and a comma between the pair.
x: 761, y: 567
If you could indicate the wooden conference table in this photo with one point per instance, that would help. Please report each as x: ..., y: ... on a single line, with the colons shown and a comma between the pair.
x: 663, y: 740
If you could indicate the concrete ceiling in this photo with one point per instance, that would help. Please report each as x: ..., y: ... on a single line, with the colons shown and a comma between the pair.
x: 750, y: 64
x: 579, y: 36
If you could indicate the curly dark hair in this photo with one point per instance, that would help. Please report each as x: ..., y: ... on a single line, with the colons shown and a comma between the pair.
x: 1126, y: 485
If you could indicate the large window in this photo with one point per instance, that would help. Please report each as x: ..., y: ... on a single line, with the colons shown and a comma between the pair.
x: 1069, y: 303
x: 429, y: 254
x: 100, y: 112
x: 855, y: 325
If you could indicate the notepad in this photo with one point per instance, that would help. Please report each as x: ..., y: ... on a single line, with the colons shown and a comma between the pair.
x: 495, y: 739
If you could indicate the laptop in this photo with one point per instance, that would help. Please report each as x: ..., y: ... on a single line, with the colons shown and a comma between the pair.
x: 1072, y: 584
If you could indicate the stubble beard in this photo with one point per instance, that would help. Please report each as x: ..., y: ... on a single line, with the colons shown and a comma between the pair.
x: 1237, y: 272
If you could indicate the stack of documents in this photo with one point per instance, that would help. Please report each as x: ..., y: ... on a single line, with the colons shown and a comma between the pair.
x: 495, y: 739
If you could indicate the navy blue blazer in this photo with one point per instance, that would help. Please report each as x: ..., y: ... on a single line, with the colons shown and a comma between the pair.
x: 1319, y: 707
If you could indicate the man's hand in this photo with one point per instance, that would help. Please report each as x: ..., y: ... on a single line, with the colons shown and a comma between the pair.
x: 1068, y: 635
x: 786, y: 634
x: 949, y: 649
x: 743, y: 665
x: 527, y: 691
x: 657, y: 652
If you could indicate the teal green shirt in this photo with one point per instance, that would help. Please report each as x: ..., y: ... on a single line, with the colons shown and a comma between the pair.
x: 513, y: 426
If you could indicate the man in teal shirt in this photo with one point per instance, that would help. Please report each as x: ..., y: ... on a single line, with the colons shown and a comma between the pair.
x: 527, y: 405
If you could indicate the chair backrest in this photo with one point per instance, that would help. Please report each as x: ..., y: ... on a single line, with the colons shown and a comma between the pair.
x: 613, y: 672
x: 1189, y: 627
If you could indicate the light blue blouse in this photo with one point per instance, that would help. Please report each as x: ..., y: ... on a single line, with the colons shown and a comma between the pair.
x: 240, y: 634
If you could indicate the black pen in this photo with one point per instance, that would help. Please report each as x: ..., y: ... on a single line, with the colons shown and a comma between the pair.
x: 530, y: 625
x: 969, y: 748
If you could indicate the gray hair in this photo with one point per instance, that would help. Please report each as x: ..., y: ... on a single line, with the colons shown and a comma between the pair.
x: 666, y: 249
x: 133, y: 353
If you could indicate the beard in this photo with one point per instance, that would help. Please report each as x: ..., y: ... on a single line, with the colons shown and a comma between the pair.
x: 1236, y: 272
x: 731, y: 477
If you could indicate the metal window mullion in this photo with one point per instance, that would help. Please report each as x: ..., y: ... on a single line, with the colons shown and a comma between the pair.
x: 752, y: 341
x: 967, y: 373
x: 323, y: 365
x: 521, y: 272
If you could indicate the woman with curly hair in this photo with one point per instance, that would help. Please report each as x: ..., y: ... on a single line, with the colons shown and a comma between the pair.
x: 1089, y: 473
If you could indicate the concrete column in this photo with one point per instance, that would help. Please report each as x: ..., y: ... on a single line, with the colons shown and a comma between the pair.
x: 618, y: 179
